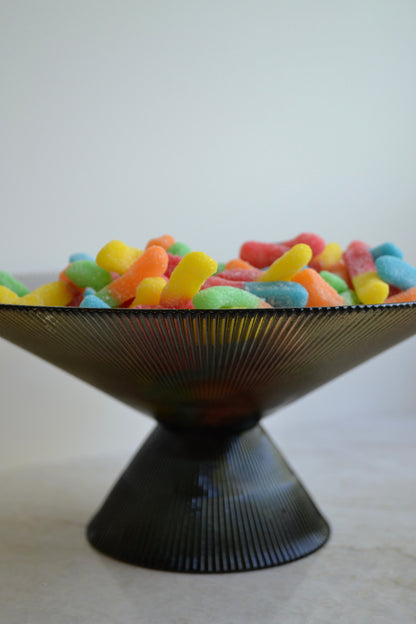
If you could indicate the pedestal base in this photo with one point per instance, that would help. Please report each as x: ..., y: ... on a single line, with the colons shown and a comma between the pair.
x: 208, y: 501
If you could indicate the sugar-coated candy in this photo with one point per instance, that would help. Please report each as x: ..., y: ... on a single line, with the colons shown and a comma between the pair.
x: 320, y: 292
x: 350, y: 298
x: 52, y: 294
x: 80, y: 255
x: 261, y: 255
x: 315, y: 242
x: 148, y: 291
x: 6, y: 279
x: 117, y: 257
x: 187, y: 279
x: 386, y: 249
x: 152, y: 263
x: 7, y: 295
x: 85, y: 273
x: 220, y: 297
x: 221, y: 266
x: 241, y: 275
x: 329, y: 257
x: 179, y: 249
x: 396, y: 272
x: 335, y: 280
x: 165, y: 241
x: 279, y: 294
x: 404, y: 296
x: 368, y: 286
x: 237, y: 263
x: 92, y: 301
x: 285, y: 267
x: 297, y: 272
x: 217, y: 280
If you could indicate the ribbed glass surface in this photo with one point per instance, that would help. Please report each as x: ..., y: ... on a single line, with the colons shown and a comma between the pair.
x: 208, y: 491
x: 198, y: 368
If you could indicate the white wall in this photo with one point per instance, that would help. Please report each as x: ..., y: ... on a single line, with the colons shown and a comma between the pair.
x: 215, y: 121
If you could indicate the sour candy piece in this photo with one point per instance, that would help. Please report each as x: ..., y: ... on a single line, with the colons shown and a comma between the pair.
x: 285, y: 267
x: 368, y: 286
x: 237, y: 263
x: 241, y: 275
x: 220, y: 267
x: 165, y: 241
x: 173, y: 261
x: 7, y: 295
x: 6, y: 279
x: 340, y: 269
x: 216, y: 280
x: 386, y: 249
x: 320, y: 292
x: 350, y: 297
x: 152, y: 263
x: 92, y: 301
x: 315, y: 242
x: 331, y: 254
x: 80, y: 255
x: 261, y: 255
x: 179, y: 249
x: 52, y: 294
x: 148, y: 291
x: 403, y: 297
x: 279, y: 294
x: 335, y: 280
x: 186, y: 279
x: 396, y: 272
x: 117, y: 257
x: 219, y: 297
x: 85, y: 273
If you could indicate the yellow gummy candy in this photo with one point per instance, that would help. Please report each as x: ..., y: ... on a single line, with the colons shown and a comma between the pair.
x: 369, y: 288
x: 148, y: 291
x: 330, y: 255
x: 52, y: 294
x: 188, y: 277
x: 7, y: 295
x: 117, y: 256
x: 285, y: 267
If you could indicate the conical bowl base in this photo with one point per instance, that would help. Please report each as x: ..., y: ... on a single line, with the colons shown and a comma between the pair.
x: 205, y: 501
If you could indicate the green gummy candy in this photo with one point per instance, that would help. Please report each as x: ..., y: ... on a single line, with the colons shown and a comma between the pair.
x: 13, y: 284
x: 335, y: 281
x: 179, y: 249
x: 84, y: 273
x: 217, y: 297
x: 220, y: 267
x: 350, y: 297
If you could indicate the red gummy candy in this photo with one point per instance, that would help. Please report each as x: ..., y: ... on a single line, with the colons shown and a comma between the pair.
x: 262, y: 255
x: 315, y: 242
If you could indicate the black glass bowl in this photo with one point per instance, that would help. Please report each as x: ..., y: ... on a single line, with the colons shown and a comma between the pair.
x: 208, y: 491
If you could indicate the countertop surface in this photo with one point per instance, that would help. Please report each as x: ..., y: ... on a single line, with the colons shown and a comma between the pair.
x: 360, y: 469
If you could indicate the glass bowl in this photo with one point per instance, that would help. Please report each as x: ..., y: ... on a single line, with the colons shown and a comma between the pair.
x: 208, y: 491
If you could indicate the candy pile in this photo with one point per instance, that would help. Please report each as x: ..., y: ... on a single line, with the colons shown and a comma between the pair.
x: 303, y: 271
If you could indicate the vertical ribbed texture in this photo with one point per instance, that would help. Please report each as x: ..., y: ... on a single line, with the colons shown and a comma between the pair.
x: 205, y: 502
x: 204, y: 368
x: 212, y: 497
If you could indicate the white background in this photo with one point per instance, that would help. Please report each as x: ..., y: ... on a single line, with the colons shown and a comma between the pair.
x: 216, y: 122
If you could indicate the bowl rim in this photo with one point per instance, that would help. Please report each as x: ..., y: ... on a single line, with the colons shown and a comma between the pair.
x: 186, y: 312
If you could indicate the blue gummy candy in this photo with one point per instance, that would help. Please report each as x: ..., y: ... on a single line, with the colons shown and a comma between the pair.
x: 396, y: 272
x: 80, y: 256
x: 386, y: 249
x: 91, y: 301
x: 279, y: 294
x: 89, y: 291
